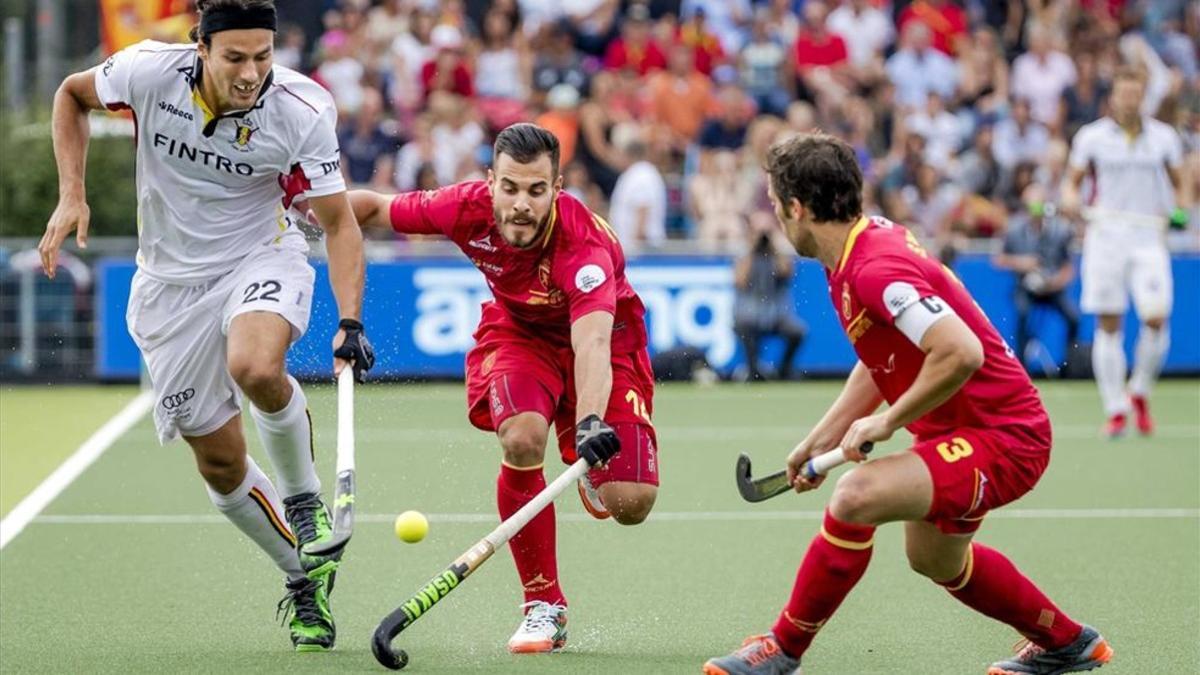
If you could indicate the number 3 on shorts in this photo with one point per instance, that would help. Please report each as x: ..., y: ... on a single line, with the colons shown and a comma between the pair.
x: 955, y: 450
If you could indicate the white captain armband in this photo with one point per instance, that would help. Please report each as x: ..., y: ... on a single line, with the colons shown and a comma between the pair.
x: 912, y: 313
x: 914, y: 320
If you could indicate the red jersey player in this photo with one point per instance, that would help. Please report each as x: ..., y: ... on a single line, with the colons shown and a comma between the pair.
x: 982, y: 437
x: 564, y: 342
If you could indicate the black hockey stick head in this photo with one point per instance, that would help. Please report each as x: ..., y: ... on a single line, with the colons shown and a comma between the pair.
x: 761, y: 489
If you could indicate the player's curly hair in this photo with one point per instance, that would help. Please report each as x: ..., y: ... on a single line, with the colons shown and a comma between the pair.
x: 203, y: 6
x: 821, y: 172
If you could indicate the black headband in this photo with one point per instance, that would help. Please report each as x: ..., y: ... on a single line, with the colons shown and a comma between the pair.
x: 234, y: 18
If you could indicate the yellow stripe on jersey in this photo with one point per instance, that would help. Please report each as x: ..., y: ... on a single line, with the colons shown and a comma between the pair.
x: 550, y: 226
x: 854, y: 232
x: 604, y: 227
x: 199, y: 101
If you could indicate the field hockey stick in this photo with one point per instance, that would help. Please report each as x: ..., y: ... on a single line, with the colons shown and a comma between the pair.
x: 761, y: 489
x: 343, y: 501
x: 440, y: 586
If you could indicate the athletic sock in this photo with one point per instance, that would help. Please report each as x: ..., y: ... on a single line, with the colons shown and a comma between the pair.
x: 1108, y: 362
x: 287, y: 437
x: 1148, y: 358
x: 255, y: 508
x: 533, y: 548
x: 835, y: 561
x: 991, y: 585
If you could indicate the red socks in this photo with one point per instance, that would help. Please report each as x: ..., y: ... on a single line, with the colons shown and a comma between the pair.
x: 533, y: 548
x: 836, y: 560
x: 992, y: 585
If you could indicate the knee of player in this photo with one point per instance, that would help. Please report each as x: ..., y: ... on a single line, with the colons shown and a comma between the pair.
x: 934, y: 567
x: 629, y: 504
x: 257, y: 378
x: 223, y: 472
x: 1156, y: 323
x: 523, y: 445
x: 853, y: 499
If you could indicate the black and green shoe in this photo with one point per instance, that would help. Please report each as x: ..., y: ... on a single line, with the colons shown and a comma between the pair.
x: 309, y: 519
x: 307, y: 603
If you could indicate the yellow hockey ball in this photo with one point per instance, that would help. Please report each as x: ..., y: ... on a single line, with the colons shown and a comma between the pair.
x: 411, y: 526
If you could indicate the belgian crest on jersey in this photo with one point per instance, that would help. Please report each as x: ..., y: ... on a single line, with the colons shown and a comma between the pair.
x: 245, y: 131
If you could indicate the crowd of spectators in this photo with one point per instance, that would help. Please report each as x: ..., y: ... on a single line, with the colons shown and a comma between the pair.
x: 665, y: 108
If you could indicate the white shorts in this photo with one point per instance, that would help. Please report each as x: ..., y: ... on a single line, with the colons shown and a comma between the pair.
x: 1120, y: 261
x: 181, y: 331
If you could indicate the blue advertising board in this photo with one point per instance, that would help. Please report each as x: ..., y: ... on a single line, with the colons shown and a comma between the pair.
x: 421, y: 313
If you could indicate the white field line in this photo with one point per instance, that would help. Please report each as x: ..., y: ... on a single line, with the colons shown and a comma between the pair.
x: 687, y: 516
x: 29, y: 507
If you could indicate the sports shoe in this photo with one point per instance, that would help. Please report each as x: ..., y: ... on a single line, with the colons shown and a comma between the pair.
x: 309, y: 519
x: 759, y: 655
x: 591, y: 499
x: 1114, y: 428
x: 307, y: 602
x: 1089, y: 650
x: 543, y: 630
x: 1141, y: 415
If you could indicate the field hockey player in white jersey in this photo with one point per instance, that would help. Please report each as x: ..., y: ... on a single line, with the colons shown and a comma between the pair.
x: 1137, y: 190
x: 225, y: 141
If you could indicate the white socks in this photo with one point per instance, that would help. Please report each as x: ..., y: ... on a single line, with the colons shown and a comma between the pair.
x: 287, y: 437
x: 1148, y: 358
x: 256, y: 510
x: 1108, y: 363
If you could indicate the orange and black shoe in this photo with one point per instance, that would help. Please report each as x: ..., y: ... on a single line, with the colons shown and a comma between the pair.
x: 1089, y: 650
x: 591, y: 499
x: 759, y: 655
x: 1141, y: 415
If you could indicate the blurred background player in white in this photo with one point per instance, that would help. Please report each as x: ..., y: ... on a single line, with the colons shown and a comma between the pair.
x: 1135, y: 163
x: 225, y: 141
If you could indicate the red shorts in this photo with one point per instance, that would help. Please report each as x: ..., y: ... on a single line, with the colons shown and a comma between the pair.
x: 976, y: 470
x: 505, y: 378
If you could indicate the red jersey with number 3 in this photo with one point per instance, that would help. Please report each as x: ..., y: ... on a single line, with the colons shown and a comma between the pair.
x: 882, y: 272
x: 577, y: 268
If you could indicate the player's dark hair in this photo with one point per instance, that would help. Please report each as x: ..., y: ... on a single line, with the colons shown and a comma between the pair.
x: 525, y: 142
x: 203, y: 6
x: 821, y: 172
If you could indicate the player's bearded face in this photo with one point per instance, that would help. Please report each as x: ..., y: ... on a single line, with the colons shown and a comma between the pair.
x: 236, y: 66
x: 523, y: 198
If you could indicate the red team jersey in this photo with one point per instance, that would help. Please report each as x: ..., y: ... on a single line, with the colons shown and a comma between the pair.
x: 576, y: 269
x: 882, y: 271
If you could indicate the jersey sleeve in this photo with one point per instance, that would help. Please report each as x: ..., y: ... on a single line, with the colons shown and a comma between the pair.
x: 586, y: 277
x: 890, y: 284
x: 1081, y: 152
x: 115, y: 77
x: 319, y: 157
x: 439, y: 211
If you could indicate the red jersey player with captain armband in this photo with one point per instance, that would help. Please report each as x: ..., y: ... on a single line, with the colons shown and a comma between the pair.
x: 981, y: 435
x: 563, y: 342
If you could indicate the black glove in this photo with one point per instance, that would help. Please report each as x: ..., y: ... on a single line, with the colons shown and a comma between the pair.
x: 356, y: 348
x: 595, y: 441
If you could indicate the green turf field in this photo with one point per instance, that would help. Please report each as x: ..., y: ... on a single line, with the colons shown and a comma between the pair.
x: 42, y: 426
x: 132, y: 570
